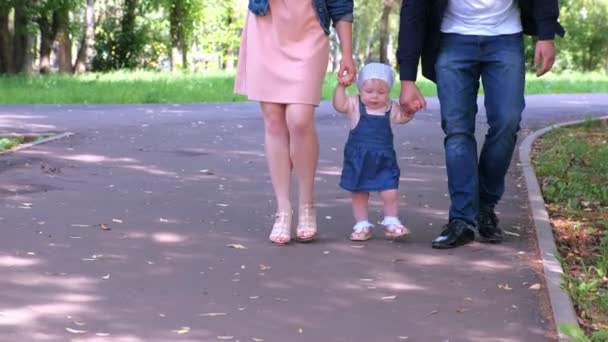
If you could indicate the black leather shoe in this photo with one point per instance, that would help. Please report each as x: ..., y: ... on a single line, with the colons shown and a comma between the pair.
x: 488, y: 226
x: 454, y: 234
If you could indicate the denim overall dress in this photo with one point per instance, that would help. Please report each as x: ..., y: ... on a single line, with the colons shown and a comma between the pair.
x: 370, y: 161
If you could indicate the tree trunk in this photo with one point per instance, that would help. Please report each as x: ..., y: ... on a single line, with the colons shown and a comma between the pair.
x: 87, y: 46
x: 127, y: 42
x: 28, y: 61
x: 176, y: 29
x: 368, y: 48
x: 46, y: 43
x: 184, y: 54
x: 61, y: 23
x: 357, y: 47
x: 384, y: 34
x: 20, y: 37
x: 6, y: 44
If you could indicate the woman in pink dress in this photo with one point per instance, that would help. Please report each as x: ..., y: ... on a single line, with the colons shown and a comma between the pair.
x: 282, y: 63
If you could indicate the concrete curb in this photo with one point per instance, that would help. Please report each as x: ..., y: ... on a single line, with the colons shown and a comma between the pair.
x: 561, y: 304
x: 52, y: 137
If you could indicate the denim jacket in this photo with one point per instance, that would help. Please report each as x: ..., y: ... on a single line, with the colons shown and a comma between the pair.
x: 328, y: 11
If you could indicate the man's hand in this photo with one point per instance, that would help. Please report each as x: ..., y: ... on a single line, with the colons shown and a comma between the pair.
x: 411, y: 99
x: 348, y: 72
x: 544, y: 56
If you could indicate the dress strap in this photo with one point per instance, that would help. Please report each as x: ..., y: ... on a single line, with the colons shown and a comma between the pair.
x: 390, y: 108
x: 362, y: 110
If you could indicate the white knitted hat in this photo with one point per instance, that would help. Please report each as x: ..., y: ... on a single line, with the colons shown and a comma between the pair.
x: 378, y: 71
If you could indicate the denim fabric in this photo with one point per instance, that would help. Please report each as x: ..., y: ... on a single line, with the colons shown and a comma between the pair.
x: 328, y: 10
x: 370, y: 161
x: 499, y: 61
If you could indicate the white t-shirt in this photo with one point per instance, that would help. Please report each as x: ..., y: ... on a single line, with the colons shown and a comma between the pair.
x: 482, y: 17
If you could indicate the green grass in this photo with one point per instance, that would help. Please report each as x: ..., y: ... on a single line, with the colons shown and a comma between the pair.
x: 154, y: 87
x: 9, y: 143
x: 572, y: 164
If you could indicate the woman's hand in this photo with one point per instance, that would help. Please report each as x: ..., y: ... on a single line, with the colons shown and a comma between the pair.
x: 348, y: 72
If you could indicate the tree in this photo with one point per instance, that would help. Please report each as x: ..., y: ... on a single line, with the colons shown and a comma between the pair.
x: 6, y: 41
x: 61, y: 27
x: 87, y: 44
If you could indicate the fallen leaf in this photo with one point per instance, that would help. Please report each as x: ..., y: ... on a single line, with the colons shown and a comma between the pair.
x: 75, y: 331
x: 300, y: 330
x: 398, y: 259
x: 264, y: 267
x: 79, y: 323
x: 468, y: 299
x: 325, y: 252
x: 183, y: 330
x: 225, y: 337
x: 163, y: 220
x: 236, y: 246
x: 366, y: 279
x: 107, y: 276
x: 104, y: 226
x: 535, y: 287
x: 511, y: 233
x: 102, y: 334
x: 255, y: 339
x: 389, y: 297
x: 116, y: 220
x: 434, y: 312
x: 213, y: 314
x: 357, y: 246
x: 80, y: 225
x: 403, y: 337
x: 505, y: 287
x: 461, y: 310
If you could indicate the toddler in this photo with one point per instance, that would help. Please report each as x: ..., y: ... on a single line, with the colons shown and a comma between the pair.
x: 370, y: 162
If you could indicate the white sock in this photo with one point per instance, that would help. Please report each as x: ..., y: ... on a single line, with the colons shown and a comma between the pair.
x: 362, y: 225
x: 391, y: 221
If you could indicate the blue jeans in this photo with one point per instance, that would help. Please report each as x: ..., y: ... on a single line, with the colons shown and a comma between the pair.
x: 474, y: 182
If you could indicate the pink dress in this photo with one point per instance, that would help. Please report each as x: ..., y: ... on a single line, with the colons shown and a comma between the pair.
x: 283, y: 55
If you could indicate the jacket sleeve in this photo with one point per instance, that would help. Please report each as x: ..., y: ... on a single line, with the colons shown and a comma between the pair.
x: 340, y: 10
x: 412, y: 23
x: 546, y: 13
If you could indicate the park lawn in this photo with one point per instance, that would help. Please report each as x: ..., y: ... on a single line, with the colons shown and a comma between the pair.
x: 123, y: 87
x: 572, y: 166
x: 9, y: 142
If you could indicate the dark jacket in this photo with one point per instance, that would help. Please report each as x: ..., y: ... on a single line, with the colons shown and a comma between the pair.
x: 420, y: 24
x: 328, y: 11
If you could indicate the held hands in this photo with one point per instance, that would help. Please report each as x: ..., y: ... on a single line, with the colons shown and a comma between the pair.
x: 411, y: 100
x: 348, y: 72
x: 544, y: 56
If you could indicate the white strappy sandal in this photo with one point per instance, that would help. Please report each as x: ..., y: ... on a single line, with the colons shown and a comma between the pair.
x: 281, y: 229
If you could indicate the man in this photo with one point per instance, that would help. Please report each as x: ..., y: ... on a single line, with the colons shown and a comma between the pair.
x: 461, y: 42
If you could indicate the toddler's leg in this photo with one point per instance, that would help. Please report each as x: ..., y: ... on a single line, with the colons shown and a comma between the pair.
x: 390, y: 201
x: 362, y: 229
x: 360, y: 202
x: 394, y: 229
